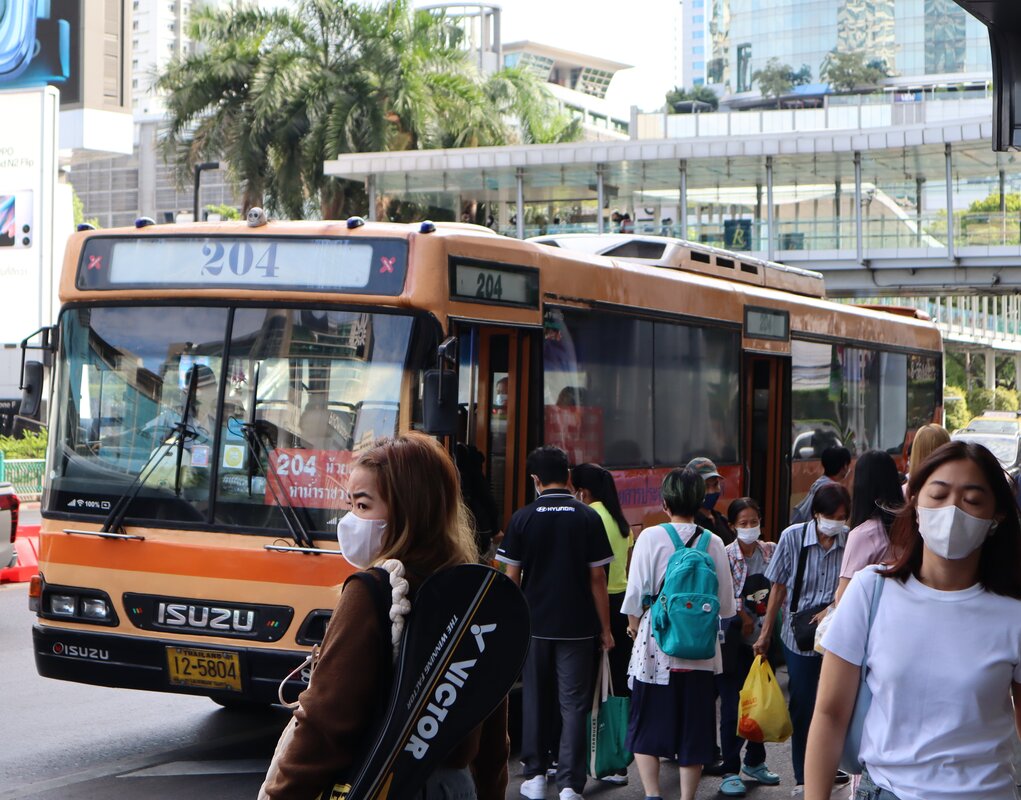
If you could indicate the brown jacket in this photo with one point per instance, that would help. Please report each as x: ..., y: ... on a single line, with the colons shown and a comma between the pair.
x: 336, y: 711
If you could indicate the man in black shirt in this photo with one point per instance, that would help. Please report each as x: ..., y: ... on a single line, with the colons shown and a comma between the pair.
x: 556, y: 549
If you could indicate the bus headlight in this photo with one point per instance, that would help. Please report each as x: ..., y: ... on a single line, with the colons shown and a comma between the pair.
x: 62, y: 604
x: 95, y: 608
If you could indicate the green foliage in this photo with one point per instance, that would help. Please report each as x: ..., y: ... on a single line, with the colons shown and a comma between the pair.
x: 845, y: 72
x: 274, y: 94
x: 953, y: 369
x: 225, y: 211
x: 702, y: 94
x: 957, y: 411
x: 30, y: 445
x: 991, y: 204
x: 78, y: 211
x: 775, y: 79
x: 1005, y: 399
x: 980, y: 400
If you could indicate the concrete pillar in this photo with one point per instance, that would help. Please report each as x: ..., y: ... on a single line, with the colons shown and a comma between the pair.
x: 967, y: 370
x: 836, y: 210
x: 682, y: 200
x: 919, y: 183
x: 600, y: 201
x: 370, y: 190
x: 859, y: 244
x: 950, y: 200
x: 990, y: 359
x: 770, y: 214
x: 519, y: 177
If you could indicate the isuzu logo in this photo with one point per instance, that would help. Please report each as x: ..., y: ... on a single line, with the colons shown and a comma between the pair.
x: 75, y: 651
x: 256, y: 622
x: 194, y: 616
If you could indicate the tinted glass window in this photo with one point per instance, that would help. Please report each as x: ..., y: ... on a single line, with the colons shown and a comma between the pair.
x: 697, y: 383
x: 602, y: 373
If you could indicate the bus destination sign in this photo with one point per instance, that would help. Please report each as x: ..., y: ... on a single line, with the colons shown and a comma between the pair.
x: 496, y: 284
x: 358, y: 266
x: 767, y: 323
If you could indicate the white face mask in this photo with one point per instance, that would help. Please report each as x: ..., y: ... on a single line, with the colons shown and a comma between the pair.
x: 499, y: 399
x: 361, y: 540
x: 830, y: 527
x: 749, y: 535
x: 952, y: 533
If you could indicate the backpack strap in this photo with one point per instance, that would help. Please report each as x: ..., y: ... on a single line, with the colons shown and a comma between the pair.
x: 799, y: 576
x: 377, y: 581
x: 703, y: 540
x: 678, y: 544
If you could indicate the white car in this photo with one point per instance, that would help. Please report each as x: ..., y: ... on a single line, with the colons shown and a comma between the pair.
x: 8, y: 525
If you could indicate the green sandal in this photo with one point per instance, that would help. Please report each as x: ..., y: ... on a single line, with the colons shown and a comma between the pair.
x: 732, y: 786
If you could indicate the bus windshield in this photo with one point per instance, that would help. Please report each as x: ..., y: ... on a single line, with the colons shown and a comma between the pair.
x: 313, y: 384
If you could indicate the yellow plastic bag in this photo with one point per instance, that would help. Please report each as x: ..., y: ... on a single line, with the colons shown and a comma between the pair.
x: 764, y: 716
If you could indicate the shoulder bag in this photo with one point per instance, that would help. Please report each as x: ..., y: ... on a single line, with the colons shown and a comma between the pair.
x: 850, y: 758
x: 801, y: 621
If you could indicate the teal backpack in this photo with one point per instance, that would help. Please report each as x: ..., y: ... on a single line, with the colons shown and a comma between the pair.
x: 686, y: 612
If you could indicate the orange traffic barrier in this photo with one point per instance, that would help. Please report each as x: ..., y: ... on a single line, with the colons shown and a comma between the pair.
x: 27, y: 547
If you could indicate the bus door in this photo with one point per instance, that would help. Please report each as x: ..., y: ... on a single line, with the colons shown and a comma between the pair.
x: 495, y: 363
x: 767, y: 444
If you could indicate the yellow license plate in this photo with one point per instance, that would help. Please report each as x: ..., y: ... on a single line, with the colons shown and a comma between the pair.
x: 206, y: 669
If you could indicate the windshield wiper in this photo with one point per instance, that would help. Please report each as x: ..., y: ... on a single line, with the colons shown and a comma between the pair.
x: 182, y: 431
x: 256, y: 450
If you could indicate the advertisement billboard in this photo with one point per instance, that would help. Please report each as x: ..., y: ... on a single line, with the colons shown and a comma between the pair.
x: 28, y: 153
x: 39, y: 45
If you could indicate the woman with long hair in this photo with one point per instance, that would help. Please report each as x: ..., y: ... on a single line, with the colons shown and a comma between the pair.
x: 942, y: 649
x: 927, y: 439
x: 595, y: 487
x: 405, y: 506
x: 875, y: 499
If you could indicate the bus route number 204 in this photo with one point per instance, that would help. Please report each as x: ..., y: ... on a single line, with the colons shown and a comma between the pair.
x: 240, y: 258
x: 488, y: 286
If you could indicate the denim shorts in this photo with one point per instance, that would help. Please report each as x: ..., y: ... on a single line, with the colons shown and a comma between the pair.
x: 867, y: 789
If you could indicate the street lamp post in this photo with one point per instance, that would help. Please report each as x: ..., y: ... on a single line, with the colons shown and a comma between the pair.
x: 199, y: 169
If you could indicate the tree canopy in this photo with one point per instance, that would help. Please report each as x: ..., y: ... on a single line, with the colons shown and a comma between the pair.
x: 848, y: 71
x: 274, y: 94
x: 777, y: 79
x: 701, y: 94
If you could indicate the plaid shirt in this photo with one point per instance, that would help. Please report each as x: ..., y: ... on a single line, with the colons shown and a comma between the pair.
x: 739, y: 567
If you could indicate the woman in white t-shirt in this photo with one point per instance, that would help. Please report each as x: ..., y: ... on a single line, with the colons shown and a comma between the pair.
x: 944, y: 650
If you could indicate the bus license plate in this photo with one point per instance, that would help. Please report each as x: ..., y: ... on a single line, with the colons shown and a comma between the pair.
x: 206, y: 669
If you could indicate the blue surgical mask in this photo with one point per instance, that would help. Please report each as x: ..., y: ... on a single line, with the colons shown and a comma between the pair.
x: 709, y: 503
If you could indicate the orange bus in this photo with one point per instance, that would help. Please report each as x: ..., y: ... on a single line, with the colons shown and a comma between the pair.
x: 212, y: 383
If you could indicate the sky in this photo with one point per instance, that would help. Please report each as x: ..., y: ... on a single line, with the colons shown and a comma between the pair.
x: 639, y: 32
x: 642, y: 33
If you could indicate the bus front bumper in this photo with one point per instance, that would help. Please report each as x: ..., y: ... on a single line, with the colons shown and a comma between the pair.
x: 249, y: 674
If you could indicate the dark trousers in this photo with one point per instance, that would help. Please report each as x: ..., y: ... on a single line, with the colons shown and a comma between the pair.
x: 728, y: 686
x: 565, y: 664
x: 802, y: 683
x: 620, y: 655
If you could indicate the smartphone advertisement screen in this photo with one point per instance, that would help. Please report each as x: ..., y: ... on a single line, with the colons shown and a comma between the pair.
x: 16, y: 219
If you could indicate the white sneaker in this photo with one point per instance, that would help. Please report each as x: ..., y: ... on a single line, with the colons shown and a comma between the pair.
x: 798, y: 791
x: 567, y: 793
x: 534, y: 788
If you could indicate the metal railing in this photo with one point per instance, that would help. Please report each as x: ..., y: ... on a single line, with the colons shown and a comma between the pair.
x: 888, y: 232
x: 26, y: 474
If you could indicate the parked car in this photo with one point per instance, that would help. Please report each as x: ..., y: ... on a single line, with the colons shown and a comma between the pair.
x: 9, y: 506
x: 1005, y: 446
x: 994, y: 422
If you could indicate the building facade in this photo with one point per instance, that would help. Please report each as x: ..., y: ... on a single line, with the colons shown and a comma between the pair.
x: 921, y: 42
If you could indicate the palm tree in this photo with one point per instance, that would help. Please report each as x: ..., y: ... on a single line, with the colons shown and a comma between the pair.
x: 212, y: 110
x: 275, y: 94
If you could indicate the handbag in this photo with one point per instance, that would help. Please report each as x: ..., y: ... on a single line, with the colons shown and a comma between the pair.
x: 802, y: 625
x: 850, y: 758
x: 607, y: 724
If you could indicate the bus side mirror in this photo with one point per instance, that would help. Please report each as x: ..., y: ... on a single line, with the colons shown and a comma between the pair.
x: 31, y: 389
x: 439, y: 402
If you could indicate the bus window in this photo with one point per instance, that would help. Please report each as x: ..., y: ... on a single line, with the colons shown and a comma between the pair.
x: 319, y: 386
